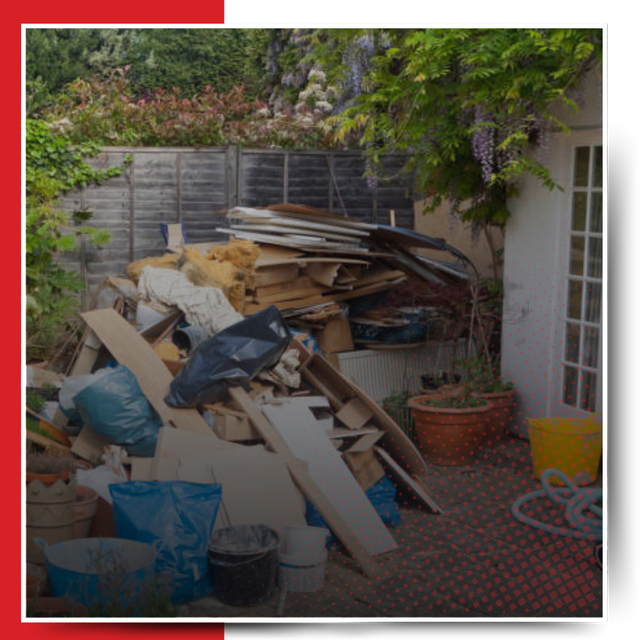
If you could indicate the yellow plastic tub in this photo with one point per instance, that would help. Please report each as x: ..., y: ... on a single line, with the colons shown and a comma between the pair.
x: 571, y: 445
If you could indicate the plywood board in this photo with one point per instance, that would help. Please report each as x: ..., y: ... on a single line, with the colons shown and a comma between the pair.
x: 269, y: 276
x: 366, y: 468
x: 256, y: 488
x: 299, y: 471
x: 174, y: 443
x: 297, y: 425
x: 141, y: 468
x: 323, y: 376
x: 355, y: 414
x: 89, y: 445
x: 132, y: 351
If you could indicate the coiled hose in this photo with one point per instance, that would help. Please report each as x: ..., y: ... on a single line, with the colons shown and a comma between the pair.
x: 576, y: 502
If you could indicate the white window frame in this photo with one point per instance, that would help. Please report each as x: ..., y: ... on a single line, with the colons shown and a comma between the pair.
x: 558, y: 362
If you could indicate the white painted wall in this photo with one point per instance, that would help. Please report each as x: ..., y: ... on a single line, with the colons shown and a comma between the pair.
x: 536, y: 254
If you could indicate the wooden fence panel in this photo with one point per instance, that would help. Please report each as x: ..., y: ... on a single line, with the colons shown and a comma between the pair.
x: 170, y: 185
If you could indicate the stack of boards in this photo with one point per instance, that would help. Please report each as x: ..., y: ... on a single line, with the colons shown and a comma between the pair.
x: 308, y: 263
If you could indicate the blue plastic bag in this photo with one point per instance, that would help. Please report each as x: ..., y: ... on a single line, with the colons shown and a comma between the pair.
x: 180, y: 515
x: 116, y: 408
x: 382, y: 496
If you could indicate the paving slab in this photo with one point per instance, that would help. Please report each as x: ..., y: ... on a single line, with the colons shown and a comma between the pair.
x: 473, y: 560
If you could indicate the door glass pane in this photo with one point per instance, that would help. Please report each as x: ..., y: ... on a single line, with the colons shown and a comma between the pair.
x: 597, y: 167
x: 582, y: 343
x: 581, y: 176
x: 594, y: 298
x: 588, y: 391
x: 572, y: 342
x: 574, y: 299
x: 590, y: 347
x: 596, y: 212
x: 579, y: 217
x: 570, y: 387
x: 594, y: 262
x: 576, y: 265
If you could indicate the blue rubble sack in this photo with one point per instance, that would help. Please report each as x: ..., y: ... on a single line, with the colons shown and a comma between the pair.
x: 233, y: 356
x: 179, y: 516
x: 116, y: 408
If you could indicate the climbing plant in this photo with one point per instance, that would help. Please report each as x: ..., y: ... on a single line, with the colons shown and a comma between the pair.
x: 475, y: 107
x: 53, y: 166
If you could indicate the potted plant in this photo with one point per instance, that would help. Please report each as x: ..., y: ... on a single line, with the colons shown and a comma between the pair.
x: 487, y: 383
x: 396, y: 406
x: 450, y: 428
x: 445, y: 382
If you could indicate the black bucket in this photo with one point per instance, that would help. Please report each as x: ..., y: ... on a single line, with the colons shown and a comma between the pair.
x: 243, y: 562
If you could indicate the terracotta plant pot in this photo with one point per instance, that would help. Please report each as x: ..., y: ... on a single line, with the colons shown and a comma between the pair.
x: 502, y: 413
x: 47, y: 479
x: 449, y: 437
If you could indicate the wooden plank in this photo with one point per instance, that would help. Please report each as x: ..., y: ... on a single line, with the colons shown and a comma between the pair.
x: 300, y: 283
x: 132, y: 351
x: 395, y: 470
x: 89, y: 445
x: 395, y: 441
x: 366, y: 468
x: 294, y: 293
x: 300, y: 473
x: 355, y: 414
x: 296, y: 423
x: 47, y: 443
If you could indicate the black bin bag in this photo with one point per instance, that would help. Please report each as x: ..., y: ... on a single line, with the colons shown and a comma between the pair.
x: 233, y: 356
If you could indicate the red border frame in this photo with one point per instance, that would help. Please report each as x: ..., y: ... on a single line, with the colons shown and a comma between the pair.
x: 72, y: 12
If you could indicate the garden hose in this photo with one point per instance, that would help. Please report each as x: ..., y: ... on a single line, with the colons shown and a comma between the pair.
x: 575, y: 500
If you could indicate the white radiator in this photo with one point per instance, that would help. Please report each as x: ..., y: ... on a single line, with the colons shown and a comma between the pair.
x: 380, y: 373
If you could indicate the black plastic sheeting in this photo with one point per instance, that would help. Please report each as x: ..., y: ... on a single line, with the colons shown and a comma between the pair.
x: 233, y: 356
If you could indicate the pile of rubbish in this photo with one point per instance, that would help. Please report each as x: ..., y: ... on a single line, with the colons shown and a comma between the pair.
x: 197, y: 402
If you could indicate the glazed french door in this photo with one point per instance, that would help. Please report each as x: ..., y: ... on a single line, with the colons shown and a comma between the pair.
x: 581, y: 360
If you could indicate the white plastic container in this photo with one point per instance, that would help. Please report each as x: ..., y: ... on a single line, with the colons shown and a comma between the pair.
x: 305, y: 543
x: 300, y: 576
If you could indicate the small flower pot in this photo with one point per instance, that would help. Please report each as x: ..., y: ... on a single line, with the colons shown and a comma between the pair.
x: 449, y: 437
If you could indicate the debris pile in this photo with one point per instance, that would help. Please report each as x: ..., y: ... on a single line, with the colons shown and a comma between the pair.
x: 199, y: 369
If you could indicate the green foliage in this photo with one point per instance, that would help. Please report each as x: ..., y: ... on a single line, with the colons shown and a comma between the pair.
x: 189, y: 59
x: 56, y: 57
x: 470, y: 105
x: 456, y: 402
x: 53, y: 165
x: 107, y: 112
x: 484, y: 376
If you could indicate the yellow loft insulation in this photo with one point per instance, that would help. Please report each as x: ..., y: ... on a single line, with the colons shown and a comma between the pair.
x: 229, y: 267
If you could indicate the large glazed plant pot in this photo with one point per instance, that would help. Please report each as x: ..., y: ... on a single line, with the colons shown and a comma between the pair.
x: 501, y: 414
x: 449, y: 436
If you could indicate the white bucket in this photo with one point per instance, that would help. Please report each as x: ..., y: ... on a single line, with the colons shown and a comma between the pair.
x: 305, y: 543
x: 300, y: 576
